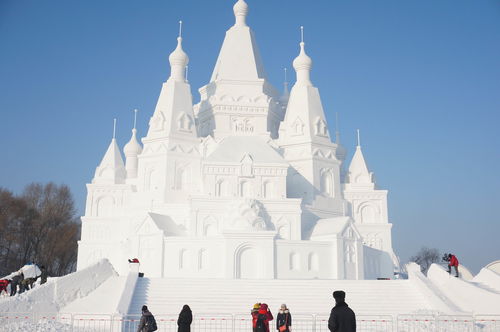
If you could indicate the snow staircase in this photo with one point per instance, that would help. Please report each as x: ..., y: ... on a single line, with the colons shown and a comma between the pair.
x: 384, y: 297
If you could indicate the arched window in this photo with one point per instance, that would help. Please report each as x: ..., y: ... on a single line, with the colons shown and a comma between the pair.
x: 202, y: 259
x: 105, y: 206
x: 152, y: 180
x: 368, y: 214
x: 326, y: 183
x: 313, y: 262
x: 181, y: 179
x: 294, y: 261
x: 246, y: 189
x: 268, y: 189
x: 221, y: 189
x: 183, y: 259
x: 210, y: 230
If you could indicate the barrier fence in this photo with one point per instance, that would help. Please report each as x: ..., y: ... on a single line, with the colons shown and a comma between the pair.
x: 243, y: 322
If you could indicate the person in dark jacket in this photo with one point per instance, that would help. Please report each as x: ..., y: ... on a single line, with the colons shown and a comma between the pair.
x: 44, y: 275
x: 147, y: 321
x: 16, y: 280
x: 342, y: 318
x: 284, y: 319
x: 263, y: 318
x: 185, y: 319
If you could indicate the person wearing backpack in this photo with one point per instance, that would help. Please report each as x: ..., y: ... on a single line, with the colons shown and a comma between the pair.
x: 185, y: 319
x: 148, y: 322
x: 284, y: 320
x: 263, y: 318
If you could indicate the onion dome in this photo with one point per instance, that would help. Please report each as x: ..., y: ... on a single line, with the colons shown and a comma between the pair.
x: 240, y: 9
x: 302, y: 65
x: 132, y: 148
x: 178, y: 61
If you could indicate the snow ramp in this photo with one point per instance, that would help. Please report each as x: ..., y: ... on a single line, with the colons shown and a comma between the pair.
x: 469, y: 296
x: 59, y: 292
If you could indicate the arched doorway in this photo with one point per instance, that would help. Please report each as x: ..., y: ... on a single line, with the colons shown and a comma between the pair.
x: 248, y: 264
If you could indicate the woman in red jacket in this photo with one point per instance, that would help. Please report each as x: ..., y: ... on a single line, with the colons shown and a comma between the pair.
x: 264, y: 315
x: 453, y: 261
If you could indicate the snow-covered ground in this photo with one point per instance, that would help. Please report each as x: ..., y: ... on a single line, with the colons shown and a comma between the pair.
x: 97, y: 299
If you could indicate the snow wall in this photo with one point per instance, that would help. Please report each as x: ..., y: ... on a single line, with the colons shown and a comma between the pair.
x: 58, y: 292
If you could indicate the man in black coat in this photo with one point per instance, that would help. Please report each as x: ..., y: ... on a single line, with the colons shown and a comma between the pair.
x: 342, y: 318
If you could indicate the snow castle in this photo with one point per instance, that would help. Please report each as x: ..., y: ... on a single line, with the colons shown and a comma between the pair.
x: 246, y: 184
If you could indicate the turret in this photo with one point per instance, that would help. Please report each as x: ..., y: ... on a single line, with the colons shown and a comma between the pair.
x: 132, y: 150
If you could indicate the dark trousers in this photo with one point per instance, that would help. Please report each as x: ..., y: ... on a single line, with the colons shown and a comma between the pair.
x: 456, y: 269
x: 13, y: 289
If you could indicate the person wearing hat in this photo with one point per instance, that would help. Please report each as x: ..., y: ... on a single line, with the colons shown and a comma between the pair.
x: 342, y: 318
x: 255, y: 312
x: 148, y: 322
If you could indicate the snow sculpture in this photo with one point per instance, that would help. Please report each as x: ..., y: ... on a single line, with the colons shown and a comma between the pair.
x: 246, y: 215
x: 248, y: 175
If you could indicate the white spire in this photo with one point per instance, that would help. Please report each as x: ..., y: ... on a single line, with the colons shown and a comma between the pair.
x: 337, y: 131
x: 111, y: 170
x: 358, y: 170
x: 286, y: 94
x: 240, y: 9
x: 302, y: 63
x: 178, y: 59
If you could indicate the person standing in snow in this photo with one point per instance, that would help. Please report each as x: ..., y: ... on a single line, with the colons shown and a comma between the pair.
x: 43, y: 275
x: 185, y: 319
x: 4, y: 284
x: 342, y: 318
x: 255, y: 312
x: 16, y: 280
x: 284, y: 319
x: 263, y: 318
x: 147, y: 322
x: 453, y: 261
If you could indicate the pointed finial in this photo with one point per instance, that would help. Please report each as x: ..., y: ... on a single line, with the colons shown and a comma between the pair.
x: 337, y: 132
x: 180, y: 29
x: 187, y: 70
x: 135, y: 117
x: 114, y: 128
x: 302, y: 34
x: 285, y: 84
x: 359, y: 140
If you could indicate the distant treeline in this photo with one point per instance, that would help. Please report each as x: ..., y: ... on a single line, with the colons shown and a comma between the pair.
x: 38, y: 226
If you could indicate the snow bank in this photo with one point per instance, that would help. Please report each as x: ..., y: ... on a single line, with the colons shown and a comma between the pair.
x: 468, y: 296
x: 437, y: 299
x: 488, y: 278
x: 58, y: 292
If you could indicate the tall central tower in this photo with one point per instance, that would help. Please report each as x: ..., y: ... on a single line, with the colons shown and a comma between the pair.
x: 238, y: 100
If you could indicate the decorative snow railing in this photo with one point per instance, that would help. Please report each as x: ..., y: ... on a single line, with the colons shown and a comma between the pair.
x: 243, y: 322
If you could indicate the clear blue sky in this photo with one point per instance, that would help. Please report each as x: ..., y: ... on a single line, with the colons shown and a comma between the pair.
x: 420, y: 78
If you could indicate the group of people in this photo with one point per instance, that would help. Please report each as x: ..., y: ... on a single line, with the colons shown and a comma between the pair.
x: 23, y: 280
x: 342, y: 318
